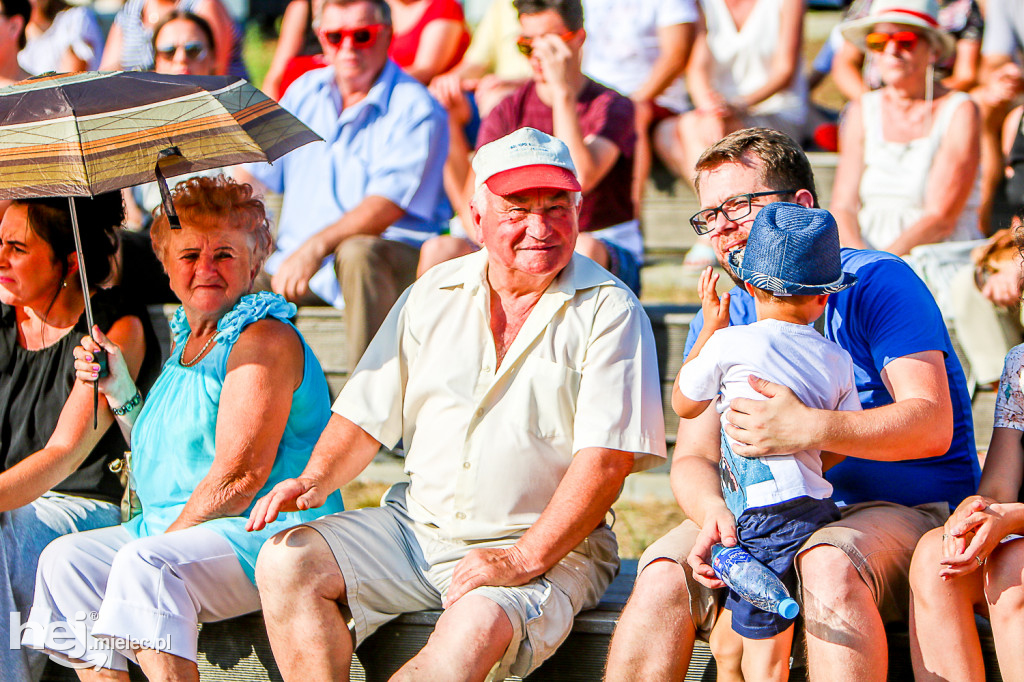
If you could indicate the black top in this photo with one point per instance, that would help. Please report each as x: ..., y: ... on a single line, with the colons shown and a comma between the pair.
x: 1014, y: 185
x: 34, y: 385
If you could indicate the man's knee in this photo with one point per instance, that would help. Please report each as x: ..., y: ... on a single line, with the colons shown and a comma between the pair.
x: 661, y: 591
x: 829, y: 581
x: 593, y: 249
x: 358, y: 251
x: 475, y: 617
x: 298, y: 562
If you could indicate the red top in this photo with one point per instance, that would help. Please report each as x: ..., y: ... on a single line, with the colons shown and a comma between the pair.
x: 403, y: 46
x: 602, y: 112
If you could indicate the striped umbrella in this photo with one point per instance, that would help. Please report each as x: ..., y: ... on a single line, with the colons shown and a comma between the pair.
x: 87, y: 133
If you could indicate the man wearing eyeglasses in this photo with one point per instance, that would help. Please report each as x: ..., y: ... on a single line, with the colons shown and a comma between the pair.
x: 910, y: 452
x: 357, y: 206
x: 594, y: 121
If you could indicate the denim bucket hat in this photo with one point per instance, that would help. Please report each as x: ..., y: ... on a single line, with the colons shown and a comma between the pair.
x: 792, y: 250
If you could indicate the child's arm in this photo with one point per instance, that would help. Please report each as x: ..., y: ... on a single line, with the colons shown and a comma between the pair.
x: 716, y: 316
x: 686, y: 408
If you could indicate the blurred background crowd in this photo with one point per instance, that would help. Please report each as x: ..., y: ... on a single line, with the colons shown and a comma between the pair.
x: 920, y: 100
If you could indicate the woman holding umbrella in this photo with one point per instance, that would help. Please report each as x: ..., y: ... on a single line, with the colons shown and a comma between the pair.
x: 236, y: 409
x: 54, y: 474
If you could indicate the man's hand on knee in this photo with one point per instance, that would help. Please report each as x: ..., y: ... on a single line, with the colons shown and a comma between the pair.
x: 496, y: 567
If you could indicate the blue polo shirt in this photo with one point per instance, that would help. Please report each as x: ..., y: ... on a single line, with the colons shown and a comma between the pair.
x: 392, y: 144
x: 888, y: 314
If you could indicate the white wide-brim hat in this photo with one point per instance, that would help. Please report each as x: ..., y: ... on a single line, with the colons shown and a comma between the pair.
x: 921, y: 14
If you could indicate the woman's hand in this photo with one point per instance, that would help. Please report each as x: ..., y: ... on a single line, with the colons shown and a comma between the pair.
x: 118, y: 386
x: 1004, y: 286
x: 979, y: 527
x: 294, y: 494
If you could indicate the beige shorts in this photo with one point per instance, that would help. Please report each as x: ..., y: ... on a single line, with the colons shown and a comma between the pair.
x: 394, y: 565
x: 878, y: 537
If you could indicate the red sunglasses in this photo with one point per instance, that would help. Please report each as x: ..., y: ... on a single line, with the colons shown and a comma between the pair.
x: 905, y: 40
x: 525, y: 43
x: 362, y: 37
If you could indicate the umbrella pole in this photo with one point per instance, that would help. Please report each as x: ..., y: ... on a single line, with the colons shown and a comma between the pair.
x: 101, y: 356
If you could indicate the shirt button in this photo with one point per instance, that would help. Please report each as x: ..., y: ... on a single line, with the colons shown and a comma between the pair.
x: 460, y: 516
x: 465, y: 465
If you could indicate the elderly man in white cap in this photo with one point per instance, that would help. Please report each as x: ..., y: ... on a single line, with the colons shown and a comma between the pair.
x: 523, y: 381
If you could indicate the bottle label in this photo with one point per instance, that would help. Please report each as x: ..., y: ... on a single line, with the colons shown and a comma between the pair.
x: 745, y: 576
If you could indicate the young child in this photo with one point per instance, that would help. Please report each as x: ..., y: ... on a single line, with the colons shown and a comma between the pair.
x: 790, y: 265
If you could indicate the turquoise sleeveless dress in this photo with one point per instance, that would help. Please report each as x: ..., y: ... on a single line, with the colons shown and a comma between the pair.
x: 173, y: 437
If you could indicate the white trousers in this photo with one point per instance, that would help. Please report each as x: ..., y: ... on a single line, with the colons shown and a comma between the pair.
x: 101, y: 594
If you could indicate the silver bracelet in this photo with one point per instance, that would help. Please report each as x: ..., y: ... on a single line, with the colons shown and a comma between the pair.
x: 128, y: 406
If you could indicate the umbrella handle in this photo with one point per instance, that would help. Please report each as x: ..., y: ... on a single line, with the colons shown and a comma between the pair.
x: 165, y: 194
x: 100, y: 358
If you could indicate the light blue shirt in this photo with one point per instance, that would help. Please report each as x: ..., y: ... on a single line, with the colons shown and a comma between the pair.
x: 392, y: 144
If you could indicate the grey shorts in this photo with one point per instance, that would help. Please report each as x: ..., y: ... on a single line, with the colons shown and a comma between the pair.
x: 393, y: 565
x: 878, y: 537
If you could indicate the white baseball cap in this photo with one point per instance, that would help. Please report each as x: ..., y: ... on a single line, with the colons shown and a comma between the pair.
x: 525, y: 159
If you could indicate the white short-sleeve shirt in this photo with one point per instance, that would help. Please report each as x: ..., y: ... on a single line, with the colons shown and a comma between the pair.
x: 818, y: 371
x: 487, y: 446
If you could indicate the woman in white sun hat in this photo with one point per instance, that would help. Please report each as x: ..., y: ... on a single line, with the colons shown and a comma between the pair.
x: 909, y: 151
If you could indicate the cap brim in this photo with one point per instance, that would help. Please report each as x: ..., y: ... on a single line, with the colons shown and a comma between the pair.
x: 523, y: 178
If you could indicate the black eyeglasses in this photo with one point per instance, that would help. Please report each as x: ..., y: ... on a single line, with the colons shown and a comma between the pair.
x: 734, y: 208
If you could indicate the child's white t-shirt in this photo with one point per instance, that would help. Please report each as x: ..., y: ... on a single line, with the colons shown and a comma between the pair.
x: 817, y: 370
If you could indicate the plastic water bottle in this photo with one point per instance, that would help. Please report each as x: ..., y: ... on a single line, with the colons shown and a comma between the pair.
x: 753, y: 581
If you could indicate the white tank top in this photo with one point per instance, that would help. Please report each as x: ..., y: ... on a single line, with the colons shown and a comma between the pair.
x: 743, y: 59
x: 892, y: 186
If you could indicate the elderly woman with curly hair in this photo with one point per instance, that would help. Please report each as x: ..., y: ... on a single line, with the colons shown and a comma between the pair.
x: 237, y: 408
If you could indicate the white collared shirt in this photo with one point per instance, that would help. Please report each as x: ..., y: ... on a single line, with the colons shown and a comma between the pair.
x: 487, y: 447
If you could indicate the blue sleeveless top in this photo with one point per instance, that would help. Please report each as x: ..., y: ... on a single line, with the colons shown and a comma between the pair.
x: 173, y: 440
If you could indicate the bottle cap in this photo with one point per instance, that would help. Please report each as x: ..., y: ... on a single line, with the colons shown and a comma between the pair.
x: 788, y: 608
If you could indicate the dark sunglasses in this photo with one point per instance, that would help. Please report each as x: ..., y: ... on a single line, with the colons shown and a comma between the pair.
x: 905, y: 40
x: 193, y: 50
x: 361, y: 37
x: 525, y: 43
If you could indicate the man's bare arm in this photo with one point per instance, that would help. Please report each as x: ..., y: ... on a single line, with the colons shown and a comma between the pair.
x: 372, y: 216
x: 341, y: 453
x: 918, y: 424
